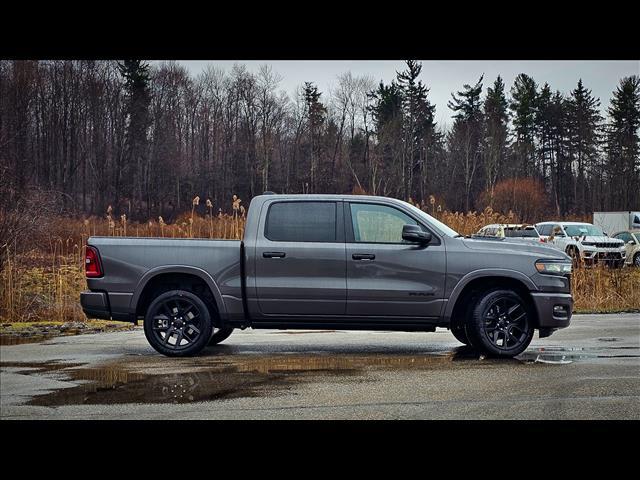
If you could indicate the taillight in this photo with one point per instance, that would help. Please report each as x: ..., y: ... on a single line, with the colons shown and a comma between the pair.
x: 92, y: 265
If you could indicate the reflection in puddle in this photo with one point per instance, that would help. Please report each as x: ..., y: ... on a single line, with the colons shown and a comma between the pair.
x: 156, y: 379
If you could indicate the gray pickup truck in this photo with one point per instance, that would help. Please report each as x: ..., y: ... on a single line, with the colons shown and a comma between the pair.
x: 331, y: 261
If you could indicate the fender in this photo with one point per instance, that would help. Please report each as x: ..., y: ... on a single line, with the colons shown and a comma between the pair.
x: 198, y: 272
x: 485, y: 272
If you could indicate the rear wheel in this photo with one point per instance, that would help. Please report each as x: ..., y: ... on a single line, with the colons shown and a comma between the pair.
x: 219, y: 335
x: 500, y: 323
x: 178, y: 323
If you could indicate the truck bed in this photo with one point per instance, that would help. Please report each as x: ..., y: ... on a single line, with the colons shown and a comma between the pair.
x: 128, y: 262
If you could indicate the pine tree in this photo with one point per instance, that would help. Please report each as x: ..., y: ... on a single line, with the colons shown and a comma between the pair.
x: 523, y: 105
x: 316, y: 115
x: 136, y: 81
x: 583, y: 114
x: 623, y: 162
x: 467, y: 135
x: 418, y: 127
x: 496, y: 119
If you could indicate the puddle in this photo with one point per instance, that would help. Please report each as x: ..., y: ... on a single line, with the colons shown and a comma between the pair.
x: 157, y: 379
x: 19, y: 340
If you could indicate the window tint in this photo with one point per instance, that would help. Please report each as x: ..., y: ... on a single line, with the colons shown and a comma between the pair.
x: 545, y: 230
x: 625, y: 237
x: 301, y: 222
x: 378, y: 223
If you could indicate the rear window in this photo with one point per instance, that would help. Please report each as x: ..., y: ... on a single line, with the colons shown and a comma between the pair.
x: 301, y: 222
x: 545, y: 229
x: 521, y: 232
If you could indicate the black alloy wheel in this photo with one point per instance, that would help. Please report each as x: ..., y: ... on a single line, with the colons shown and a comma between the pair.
x: 178, y: 323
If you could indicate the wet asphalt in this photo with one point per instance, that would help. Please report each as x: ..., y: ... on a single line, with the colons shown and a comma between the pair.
x: 590, y: 370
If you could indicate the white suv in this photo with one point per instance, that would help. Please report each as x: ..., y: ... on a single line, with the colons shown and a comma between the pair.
x: 583, y: 242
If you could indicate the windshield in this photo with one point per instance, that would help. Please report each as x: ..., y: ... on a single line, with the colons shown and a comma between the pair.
x: 583, y: 229
x: 521, y: 232
x: 444, y: 229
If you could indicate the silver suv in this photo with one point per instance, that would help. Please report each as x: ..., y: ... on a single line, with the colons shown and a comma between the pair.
x: 583, y: 242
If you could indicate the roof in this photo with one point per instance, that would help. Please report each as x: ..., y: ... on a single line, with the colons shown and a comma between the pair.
x: 564, y: 223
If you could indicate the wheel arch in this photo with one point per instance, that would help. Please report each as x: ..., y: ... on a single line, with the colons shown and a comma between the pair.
x: 485, y: 280
x: 191, y: 278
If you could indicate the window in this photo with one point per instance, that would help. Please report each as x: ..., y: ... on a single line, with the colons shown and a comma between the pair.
x: 521, y: 232
x: 545, y: 230
x: 583, y: 229
x: 625, y: 237
x: 378, y: 223
x: 301, y: 222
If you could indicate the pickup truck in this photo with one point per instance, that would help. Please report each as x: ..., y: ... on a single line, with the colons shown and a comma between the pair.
x: 331, y: 261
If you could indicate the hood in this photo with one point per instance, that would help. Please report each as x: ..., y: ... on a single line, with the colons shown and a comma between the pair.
x: 496, y: 246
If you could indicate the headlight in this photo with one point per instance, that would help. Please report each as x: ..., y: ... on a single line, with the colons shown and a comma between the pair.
x: 553, y: 268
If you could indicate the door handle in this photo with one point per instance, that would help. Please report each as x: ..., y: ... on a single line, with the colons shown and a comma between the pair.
x: 363, y: 256
x: 273, y: 254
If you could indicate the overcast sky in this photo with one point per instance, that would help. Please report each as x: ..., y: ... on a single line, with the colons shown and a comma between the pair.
x: 444, y: 77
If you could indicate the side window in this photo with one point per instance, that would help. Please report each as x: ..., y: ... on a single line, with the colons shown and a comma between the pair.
x: 301, y: 222
x: 557, y: 231
x: 378, y: 223
x: 625, y: 237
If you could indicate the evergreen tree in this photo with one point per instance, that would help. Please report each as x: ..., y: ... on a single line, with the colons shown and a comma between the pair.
x: 583, y: 124
x: 133, y: 166
x: 623, y: 162
x: 523, y: 105
x: 418, y: 128
x: 467, y: 135
x: 316, y: 115
x: 496, y: 120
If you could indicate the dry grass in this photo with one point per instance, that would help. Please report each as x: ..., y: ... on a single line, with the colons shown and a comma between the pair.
x: 45, y: 284
x: 604, y: 289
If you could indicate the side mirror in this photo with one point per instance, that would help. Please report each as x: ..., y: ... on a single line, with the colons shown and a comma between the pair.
x: 631, y: 242
x: 413, y: 233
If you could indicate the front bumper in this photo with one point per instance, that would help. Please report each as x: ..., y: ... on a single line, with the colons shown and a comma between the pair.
x: 604, y: 255
x: 554, y: 310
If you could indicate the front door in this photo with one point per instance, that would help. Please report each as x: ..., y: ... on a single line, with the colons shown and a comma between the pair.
x: 386, y: 275
x: 300, y: 259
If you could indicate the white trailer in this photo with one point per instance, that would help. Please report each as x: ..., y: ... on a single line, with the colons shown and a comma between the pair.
x: 613, y: 222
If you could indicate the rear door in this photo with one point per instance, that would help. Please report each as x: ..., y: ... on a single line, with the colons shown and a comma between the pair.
x: 300, y: 258
x: 386, y: 275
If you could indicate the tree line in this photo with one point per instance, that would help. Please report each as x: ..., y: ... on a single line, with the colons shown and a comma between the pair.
x: 147, y: 139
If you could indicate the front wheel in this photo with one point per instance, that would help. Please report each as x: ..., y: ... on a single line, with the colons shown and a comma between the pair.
x: 636, y: 260
x: 178, y: 324
x: 500, y: 323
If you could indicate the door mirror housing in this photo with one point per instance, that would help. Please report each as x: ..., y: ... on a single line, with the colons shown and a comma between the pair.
x: 413, y: 233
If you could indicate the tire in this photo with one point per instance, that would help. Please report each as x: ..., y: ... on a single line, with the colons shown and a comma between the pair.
x: 220, y: 335
x: 500, y: 323
x: 636, y: 260
x: 178, y: 323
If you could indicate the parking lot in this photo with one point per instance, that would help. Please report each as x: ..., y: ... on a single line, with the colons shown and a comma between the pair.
x: 587, y: 371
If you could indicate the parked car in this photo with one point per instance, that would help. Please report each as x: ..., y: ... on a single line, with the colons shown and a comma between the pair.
x: 611, y: 222
x: 583, y: 242
x: 631, y: 239
x: 330, y: 261
x: 516, y: 232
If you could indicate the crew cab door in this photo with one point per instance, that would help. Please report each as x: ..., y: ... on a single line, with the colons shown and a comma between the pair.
x: 386, y: 275
x: 300, y: 258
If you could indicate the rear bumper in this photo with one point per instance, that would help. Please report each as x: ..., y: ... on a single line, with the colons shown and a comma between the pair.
x: 554, y: 309
x: 97, y: 305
